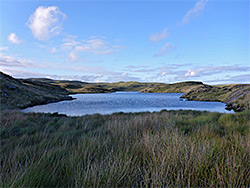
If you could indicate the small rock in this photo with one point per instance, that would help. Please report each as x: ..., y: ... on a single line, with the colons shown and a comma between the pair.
x: 10, y: 86
x: 4, y: 94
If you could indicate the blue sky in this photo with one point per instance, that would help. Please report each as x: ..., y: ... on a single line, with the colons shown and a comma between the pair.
x: 109, y: 41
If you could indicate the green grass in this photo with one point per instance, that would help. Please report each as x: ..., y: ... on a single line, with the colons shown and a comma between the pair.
x: 165, y: 149
x: 236, y: 96
x: 84, y: 87
x: 18, y: 94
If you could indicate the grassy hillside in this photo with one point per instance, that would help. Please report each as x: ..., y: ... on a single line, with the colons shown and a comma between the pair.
x: 84, y: 87
x: 73, y: 87
x: 182, y: 87
x: 29, y: 92
x: 236, y: 96
x: 16, y: 93
x: 166, y: 149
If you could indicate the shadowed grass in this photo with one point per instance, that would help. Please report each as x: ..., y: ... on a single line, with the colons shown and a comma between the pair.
x: 165, y: 149
x: 19, y: 94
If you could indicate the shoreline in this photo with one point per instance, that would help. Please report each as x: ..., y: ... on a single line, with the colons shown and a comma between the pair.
x: 151, y: 110
x: 24, y: 93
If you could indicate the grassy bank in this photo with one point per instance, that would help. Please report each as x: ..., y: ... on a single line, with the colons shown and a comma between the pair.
x: 169, y: 148
x: 236, y: 96
x: 18, y: 94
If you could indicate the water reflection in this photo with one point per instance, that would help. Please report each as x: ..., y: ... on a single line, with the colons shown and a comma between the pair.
x: 108, y: 103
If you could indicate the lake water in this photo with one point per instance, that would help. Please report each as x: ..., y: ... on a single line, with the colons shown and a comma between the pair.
x: 108, y: 103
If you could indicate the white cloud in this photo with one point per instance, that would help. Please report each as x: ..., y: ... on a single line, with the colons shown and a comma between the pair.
x: 163, y: 73
x: 46, y: 22
x: 156, y: 37
x: 84, y: 78
x: 73, y: 56
x: 191, y: 73
x: 31, y: 74
x: 199, y: 6
x: 9, y: 61
x: 141, y: 68
x: 2, y: 48
x: 208, y: 71
x: 16, y: 62
x: 23, y: 68
x: 243, y: 78
x: 95, y: 45
x: 22, y: 74
x: 116, y: 77
x: 69, y: 43
x: 163, y: 50
x: 13, y: 38
x: 53, y: 50
x: 179, y: 72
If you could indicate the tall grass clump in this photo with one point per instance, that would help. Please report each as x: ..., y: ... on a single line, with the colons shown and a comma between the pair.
x: 165, y: 149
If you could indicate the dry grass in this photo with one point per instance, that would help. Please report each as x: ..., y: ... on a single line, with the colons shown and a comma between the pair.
x: 166, y: 149
x: 236, y: 96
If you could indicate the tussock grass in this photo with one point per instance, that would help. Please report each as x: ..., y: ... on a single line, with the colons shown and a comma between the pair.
x: 165, y: 149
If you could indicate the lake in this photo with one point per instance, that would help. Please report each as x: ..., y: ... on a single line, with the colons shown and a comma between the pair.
x: 108, y: 103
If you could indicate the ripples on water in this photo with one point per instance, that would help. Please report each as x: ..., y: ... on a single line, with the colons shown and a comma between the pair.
x: 108, y: 103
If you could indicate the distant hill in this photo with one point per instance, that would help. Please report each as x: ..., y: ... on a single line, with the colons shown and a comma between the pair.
x: 18, y: 94
x: 21, y: 93
x: 84, y: 87
x: 181, y: 87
